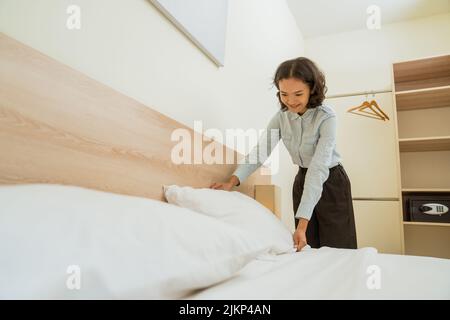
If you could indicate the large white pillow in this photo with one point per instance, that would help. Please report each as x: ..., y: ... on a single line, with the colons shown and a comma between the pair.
x: 236, y: 209
x: 53, y: 238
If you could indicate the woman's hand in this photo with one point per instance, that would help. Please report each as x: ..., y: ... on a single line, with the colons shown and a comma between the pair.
x: 234, y: 181
x: 299, y: 239
x: 227, y: 186
x: 300, y: 234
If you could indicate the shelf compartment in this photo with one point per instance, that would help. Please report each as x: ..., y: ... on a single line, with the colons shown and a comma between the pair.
x: 420, y: 123
x: 422, y: 73
x: 437, y: 97
x: 431, y: 239
x: 425, y: 170
x: 425, y: 144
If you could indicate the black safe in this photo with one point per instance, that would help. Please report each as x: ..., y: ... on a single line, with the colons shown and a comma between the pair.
x: 428, y: 208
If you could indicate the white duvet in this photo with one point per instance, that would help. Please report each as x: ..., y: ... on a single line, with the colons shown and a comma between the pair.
x: 329, y: 273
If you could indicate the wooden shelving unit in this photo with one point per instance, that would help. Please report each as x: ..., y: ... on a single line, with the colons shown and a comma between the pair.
x: 424, y: 84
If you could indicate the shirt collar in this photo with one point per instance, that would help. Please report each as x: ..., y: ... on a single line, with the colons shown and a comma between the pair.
x: 307, y: 114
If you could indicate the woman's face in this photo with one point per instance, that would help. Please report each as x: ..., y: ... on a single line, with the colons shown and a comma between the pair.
x: 294, y: 93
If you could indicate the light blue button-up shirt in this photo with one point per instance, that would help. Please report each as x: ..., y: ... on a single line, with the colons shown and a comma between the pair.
x: 310, y: 140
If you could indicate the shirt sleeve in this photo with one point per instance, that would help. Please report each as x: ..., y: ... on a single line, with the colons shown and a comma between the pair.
x: 318, y: 171
x: 259, y: 154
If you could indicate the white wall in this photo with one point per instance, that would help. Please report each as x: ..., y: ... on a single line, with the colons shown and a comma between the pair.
x: 130, y: 46
x: 362, y: 60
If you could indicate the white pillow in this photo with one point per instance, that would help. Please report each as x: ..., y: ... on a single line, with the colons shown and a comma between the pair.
x: 53, y: 238
x: 238, y: 210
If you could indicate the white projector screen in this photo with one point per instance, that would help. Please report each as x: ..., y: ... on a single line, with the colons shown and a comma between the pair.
x: 204, y: 22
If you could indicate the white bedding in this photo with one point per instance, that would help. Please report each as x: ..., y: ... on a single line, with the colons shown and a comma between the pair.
x: 135, y: 248
x: 329, y: 273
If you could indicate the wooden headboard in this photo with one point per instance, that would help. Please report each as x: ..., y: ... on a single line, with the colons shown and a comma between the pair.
x: 59, y: 126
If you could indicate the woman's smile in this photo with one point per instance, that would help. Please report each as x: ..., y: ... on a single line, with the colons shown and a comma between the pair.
x: 297, y: 108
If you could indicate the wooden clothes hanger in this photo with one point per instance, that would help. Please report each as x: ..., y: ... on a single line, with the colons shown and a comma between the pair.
x: 376, y: 113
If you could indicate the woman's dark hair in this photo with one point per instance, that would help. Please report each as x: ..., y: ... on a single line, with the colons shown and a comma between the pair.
x: 304, y: 69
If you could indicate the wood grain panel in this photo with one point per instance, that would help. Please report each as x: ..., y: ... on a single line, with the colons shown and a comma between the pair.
x: 423, y: 99
x: 422, y: 73
x: 59, y: 126
x: 425, y: 144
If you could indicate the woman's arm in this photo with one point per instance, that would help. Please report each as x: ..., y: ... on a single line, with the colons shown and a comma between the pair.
x: 259, y: 154
x: 318, y: 170
x: 255, y: 158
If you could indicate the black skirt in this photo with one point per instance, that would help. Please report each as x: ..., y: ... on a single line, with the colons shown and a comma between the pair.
x: 332, y: 223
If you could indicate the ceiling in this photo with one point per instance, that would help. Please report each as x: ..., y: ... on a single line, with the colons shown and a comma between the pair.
x: 324, y: 17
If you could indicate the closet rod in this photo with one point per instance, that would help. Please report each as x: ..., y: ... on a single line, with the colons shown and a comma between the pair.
x: 364, y: 93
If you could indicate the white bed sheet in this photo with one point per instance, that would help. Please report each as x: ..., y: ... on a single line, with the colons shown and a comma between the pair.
x: 329, y: 273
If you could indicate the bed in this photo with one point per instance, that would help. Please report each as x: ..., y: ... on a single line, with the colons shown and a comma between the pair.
x: 82, y: 175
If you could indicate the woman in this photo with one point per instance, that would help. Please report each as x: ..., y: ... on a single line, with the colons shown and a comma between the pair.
x: 321, y: 193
